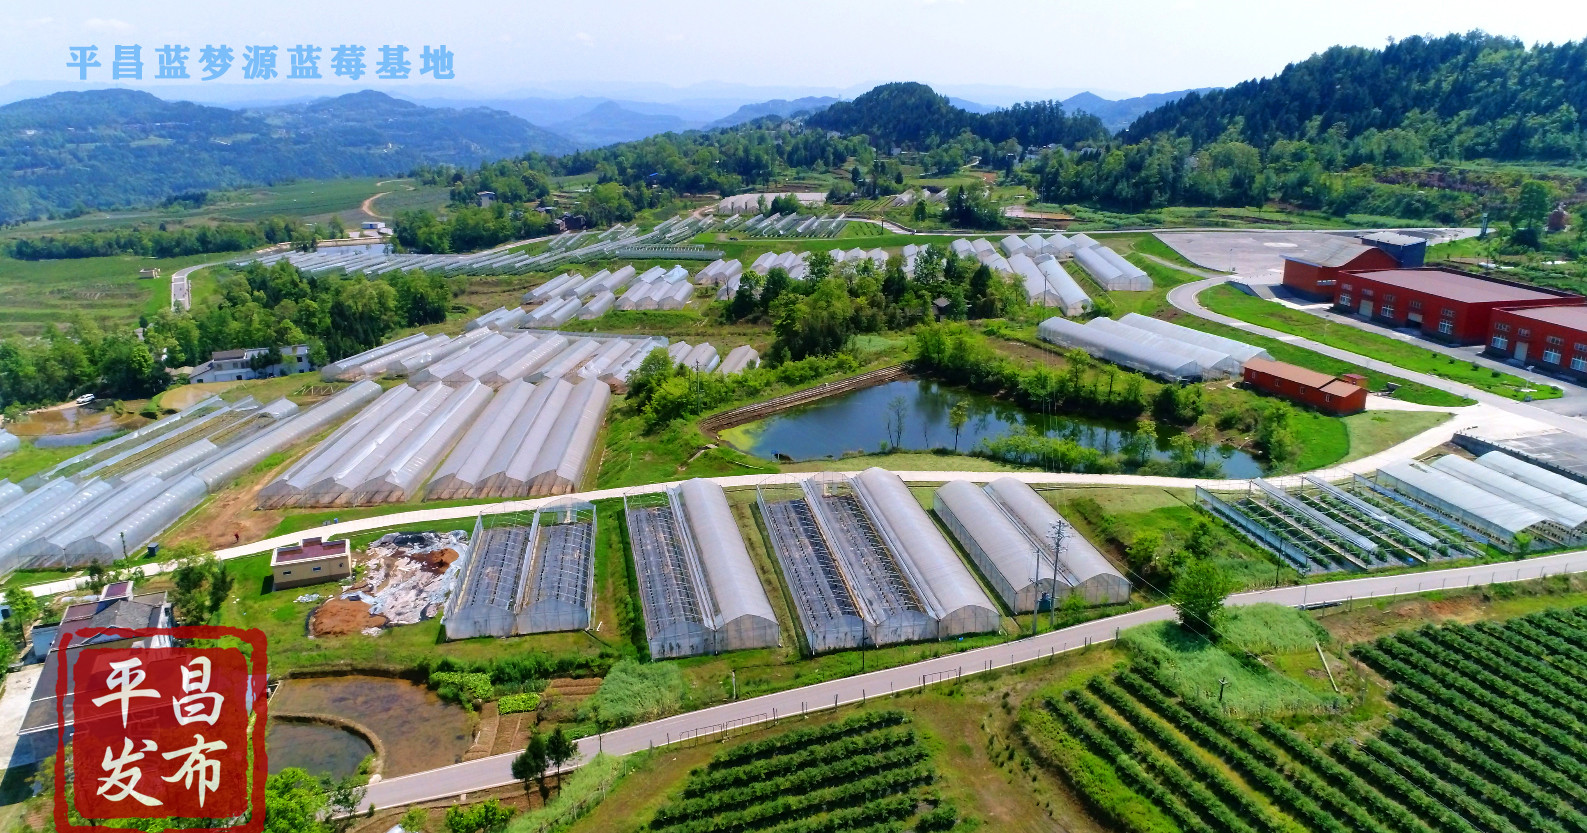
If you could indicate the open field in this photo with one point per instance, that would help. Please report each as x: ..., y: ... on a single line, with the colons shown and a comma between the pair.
x: 1227, y: 300
x: 36, y: 294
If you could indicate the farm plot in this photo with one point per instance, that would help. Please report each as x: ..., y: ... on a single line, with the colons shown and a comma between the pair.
x: 1487, y: 737
x: 868, y: 772
x: 1323, y: 527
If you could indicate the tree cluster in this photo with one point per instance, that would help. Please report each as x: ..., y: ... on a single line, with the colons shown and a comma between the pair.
x: 164, y: 240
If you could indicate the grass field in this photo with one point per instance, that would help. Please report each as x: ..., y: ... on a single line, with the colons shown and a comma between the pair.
x: 37, y: 294
x: 30, y: 460
x: 1227, y: 300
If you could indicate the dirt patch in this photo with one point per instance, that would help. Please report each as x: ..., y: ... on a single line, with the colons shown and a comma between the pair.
x: 562, y: 697
x: 342, y: 617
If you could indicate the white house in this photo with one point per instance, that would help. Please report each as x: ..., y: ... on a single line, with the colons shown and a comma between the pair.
x: 236, y: 365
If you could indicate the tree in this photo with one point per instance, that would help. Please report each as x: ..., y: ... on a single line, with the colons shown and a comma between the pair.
x: 777, y: 282
x: 416, y: 820
x: 897, y: 408
x: 479, y: 818
x: 1533, y: 203
x: 293, y: 801
x: 1198, y: 593
x: 560, y: 749
x: 1142, y: 551
x: 24, y: 607
x: 342, y: 800
x: 958, y: 415
x: 532, y: 761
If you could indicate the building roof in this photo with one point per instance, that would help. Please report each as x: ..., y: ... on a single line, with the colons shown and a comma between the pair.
x: 308, y: 550
x: 1292, y: 373
x: 1573, y: 316
x: 1337, y: 251
x: 1455, y: 286
x: 222, y: 355
x: 1340, y: 387
x: 1393, y: 238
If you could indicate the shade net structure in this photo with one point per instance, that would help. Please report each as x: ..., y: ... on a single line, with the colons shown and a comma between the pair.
x: 888, y: 600
x: 1081, y: 566
x: 1168, y: 364
x: 1569, y: 516
x: 829, y: 615
x: 699, y: 590
x: 526, y: 572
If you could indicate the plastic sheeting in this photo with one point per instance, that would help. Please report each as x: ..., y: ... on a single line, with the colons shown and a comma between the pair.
x: 1241, y: 351
x: 464, y: 468
x: 1567, y: 513
x: 454, y: 362
x: 340, y: 371
x: 1572, y: 490
x: 1018, y: 570
x: 956, y: 600
x: 27, y: 529
x: 1211, y: 364
x: 1166, y: 364
x: 527, y: 361
x: 148, y: 520
x: 1495, y: 516
x: 566, y: 453
x: 744, y: 616
x: 598, y: 305
x: 1064, y: 291
x: 8, y: 442
x: 8, y: 492
x: 220, y: 472
x: 739, y: 359
x: 398, y: 475
x: 566, y: 363
x: 702, y: 357
x: 1085, y: 568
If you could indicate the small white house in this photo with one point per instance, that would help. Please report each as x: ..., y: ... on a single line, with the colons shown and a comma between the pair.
x: 237, y: 365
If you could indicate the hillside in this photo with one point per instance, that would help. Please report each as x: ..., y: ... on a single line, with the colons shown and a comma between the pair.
x: 1455, y: 97
x: 776, y: 107
x: 1118, y: 114
x: 609, y: 123
x: 115, y: 148
x: 915, y: 115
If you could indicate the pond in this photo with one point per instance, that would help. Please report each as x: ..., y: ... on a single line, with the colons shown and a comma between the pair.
x: 316, y: 748
x: 857, y: 422
x: 419, y: 731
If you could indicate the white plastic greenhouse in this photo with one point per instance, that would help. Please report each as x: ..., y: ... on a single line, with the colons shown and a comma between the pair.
x: 702, y: 357
x: 739, y: 359
x: 8, y: 442
x: 1018, y: 569
x: 1082, y: 566
x: 1172, y: 365
x: 1210, y: 364
x: 1241, y: 351
x: 1569, y: 516
x: 1481, y: 512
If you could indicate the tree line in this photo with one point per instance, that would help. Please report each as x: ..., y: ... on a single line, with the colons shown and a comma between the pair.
x: 163, y: 240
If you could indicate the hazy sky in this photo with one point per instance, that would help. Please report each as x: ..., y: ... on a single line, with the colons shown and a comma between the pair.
x: 1127, y: 47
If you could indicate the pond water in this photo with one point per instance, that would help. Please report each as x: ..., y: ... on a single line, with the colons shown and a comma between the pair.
x: 857, y: 423
x: 419, y: 731
x: 316, y: 748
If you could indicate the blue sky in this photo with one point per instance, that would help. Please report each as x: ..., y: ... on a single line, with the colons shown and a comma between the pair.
x: 997, y: 48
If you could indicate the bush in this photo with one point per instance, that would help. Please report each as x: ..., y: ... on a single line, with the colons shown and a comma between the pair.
x: 515, y: 703
x: 633, y: 692
x: 463, y: 688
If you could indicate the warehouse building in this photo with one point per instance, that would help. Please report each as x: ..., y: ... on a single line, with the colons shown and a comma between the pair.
x: 1554, y: 338
x: 1331, y: 394
x: 1445, y: 304
x: 697, y: 585
x: 1315, y: 274
x: 1409, y: 251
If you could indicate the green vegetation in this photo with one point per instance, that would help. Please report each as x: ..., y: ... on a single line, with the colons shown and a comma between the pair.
x: 579, y: 794
x: 161, y: 242
x: 634, y: 693
x: 526, y: 701
x: 30, y: 460
x: 1229, y: 301
x: 866, y: 772
x: 38, y: 296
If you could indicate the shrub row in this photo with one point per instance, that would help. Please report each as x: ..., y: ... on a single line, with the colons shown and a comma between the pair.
x: 1343, y: 779
x: 1386, y: 778
x: 800, y: 738
x: 798, y: 783
x: 1094, y: 779
x: 777, y: 810
x: 1132, y: 774
x: 702, y: 782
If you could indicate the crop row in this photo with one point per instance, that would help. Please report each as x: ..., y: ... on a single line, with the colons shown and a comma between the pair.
x: 1497, y: 658
x: 1260, y: 764
x: 871, y: 743
x: 797, y: 783
x: 1343, y: 779
x: 1447, y: 666
x: 1186, y: 755
x: 880, y: 816
x: 802, y: 738
x: 1522, y: 636
x: 1445, y: 791
x: 1400, y: 788
x: 777, y: 810
x: 1487, y: 792
x: 1095, y: 780
x: 1132, y: 773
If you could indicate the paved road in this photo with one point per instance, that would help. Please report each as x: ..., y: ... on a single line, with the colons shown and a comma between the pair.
x: 181, y: 289
x: 497, y: 771
x: 1465, y: 419
x: 1184, y: 298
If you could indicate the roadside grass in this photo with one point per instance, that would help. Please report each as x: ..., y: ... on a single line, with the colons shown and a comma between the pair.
x: 1324, y: 440
x: 38, y: 294
x: 1286, y: 352
x: 30, y: 460
x: 1375, y: 431
x: 631, y: 457
x: 1227, y: 300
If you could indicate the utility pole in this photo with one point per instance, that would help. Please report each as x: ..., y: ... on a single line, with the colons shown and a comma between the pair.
x: 1060, y: 530
x: 1035, y: 612
x: 1223, y: 683
x: 734, y: 673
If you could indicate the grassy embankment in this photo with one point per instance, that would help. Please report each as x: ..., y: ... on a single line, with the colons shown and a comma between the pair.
x: 1229, y: 301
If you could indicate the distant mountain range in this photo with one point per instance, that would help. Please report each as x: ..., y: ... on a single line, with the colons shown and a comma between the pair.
x: 1117, y: 115
x: 113, y: 148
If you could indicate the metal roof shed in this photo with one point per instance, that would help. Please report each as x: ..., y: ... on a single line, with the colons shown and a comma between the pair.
x: 744, y: 618
x: 958, y: 603
x: 1006, y: 556
x: 1085, y: 568
x: 1164, y: 364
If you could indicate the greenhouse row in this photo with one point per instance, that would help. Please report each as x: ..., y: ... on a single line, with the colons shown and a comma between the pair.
x: 738, y: 360
x: 1108, y: 268
x: 697, y: 585
x: 719, y: 272
x: 1167, y: 351
x: 794, y: 263
x: 540, y: 437
x: 877, y: 257
x: 497, y: 358
x: 118, y: 496
x: 1046, y: 284
x: 866, y: 565
x: 526, y: 573
x: 8, y: 443
x: 1009, y: 532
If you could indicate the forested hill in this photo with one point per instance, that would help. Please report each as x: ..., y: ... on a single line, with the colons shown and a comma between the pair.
x: 116, y: 148
x: 1455, y: 97
x: 915, y: 115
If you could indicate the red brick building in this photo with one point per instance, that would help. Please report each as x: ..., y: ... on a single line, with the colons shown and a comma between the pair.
x: 1316, y: 273
x: 1330, y: 394
x: 1446, y: 305
x: 1554, y: 338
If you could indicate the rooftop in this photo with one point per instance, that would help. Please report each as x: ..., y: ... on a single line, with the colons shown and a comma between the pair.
x: 1291, y: 373
x: 308, y: 550
x: 1455, y: 285
x: 1393, y: 238
x: 1335, y: 252
x: 1574, y: 316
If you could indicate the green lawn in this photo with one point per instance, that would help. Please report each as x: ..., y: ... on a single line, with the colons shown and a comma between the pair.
x: 30, y: 460
x: 37, y: 294
x: 1374, y: 431
x: 1229, y: 301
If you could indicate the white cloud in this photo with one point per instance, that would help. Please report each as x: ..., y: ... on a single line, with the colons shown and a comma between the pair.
x: 584, y: 38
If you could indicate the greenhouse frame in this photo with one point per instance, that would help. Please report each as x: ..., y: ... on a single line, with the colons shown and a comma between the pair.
x: 698, y: 588
x: 1534, y: 475
x: 1210, y: 364
x: 1081, y: 565
x: 1020, y: 571
x: 1168, y: 364
x: 1496, y: 519
x: 526, y: 573
x: 1239, y: 350
x: 829, y: 614
x: 1570, y: 517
